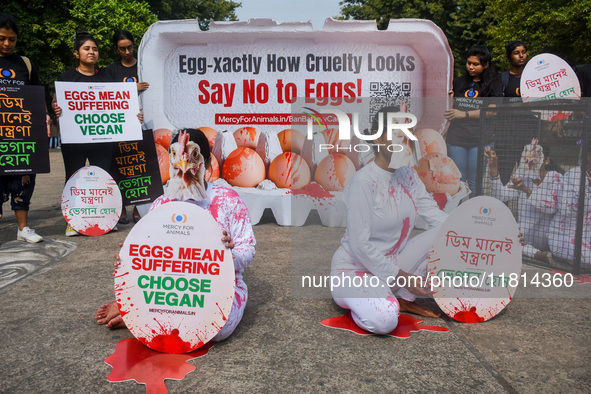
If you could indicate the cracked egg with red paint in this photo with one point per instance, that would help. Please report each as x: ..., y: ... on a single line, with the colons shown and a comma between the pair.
x: 289, y: 170
x: 243, y: 168
x: 247, y: 137
x: 334, y: 172
x: 439, y: 173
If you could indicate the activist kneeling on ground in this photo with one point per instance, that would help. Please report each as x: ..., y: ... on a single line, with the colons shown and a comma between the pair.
x: 189, y: 158
x: 384, y: 200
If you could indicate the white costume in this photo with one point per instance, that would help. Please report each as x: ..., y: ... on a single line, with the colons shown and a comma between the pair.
x: 536, y: 211
x: 231, y: 214
x: 382, y: 209
x: 561, y: 234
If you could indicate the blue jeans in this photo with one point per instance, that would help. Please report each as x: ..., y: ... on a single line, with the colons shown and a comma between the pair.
x: 467, y: 161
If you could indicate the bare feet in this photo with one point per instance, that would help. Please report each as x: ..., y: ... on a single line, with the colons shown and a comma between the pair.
x: 546, y: 257
x: 413, y: 307
x: 109, y: 314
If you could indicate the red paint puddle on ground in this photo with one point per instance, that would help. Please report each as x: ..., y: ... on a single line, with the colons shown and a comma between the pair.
x: 406, y: 325
x: 134, y: 361
x: 469, y: 316
x: 580, y: 280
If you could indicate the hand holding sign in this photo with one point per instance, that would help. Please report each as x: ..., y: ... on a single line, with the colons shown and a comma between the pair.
x: 175, y: 283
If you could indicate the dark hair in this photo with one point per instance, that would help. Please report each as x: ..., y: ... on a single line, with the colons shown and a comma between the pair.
x: 384, y: 110
x: 552, y: 165
x: 122, y: 34
x: 489, y: 74
x: 81, y: 37
x: 199, y: 138
x: 7, y: 22
x: 512, y: 45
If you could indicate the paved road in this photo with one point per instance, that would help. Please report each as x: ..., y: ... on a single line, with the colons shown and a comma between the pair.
x: 49, y: 293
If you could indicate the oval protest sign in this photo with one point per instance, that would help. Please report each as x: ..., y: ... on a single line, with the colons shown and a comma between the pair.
x: 175, y: 284
x: 547, y: 77
x: 91, y: 201
x: 475, y: 264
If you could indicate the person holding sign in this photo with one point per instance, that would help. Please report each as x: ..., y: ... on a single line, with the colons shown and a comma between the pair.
x: 16, y: 70
x: 536, y: 183
x: 379, y: 270
x: 125, y: 70
x: 190, y: 156
x: 463, y: 136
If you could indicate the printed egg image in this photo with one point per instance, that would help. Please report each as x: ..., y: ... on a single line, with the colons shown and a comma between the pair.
x: 213, y: 172
x: 163, y: 163
x: 243, y: 168
x: 289, y: 170
x: 162, y: 137
x: 291, y: 140
x: 331, y: 136
x: 247, y: 137
x: 439, y: 173
x: 334, y: 172
x: 210, y: 134
x: 431, y: 141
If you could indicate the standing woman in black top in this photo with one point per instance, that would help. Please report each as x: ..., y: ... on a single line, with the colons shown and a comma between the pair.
x: 16, y: 70
x: 125, y: 70
x: 98, y: 154
x: 469, y: 91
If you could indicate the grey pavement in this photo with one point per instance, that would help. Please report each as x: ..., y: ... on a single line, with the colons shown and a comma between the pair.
x: 50, y: 342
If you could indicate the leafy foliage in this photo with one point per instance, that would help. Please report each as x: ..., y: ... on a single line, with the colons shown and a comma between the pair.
x: 562, y: 27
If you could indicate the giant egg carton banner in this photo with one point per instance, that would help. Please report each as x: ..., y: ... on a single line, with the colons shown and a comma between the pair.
x: 248, y: 74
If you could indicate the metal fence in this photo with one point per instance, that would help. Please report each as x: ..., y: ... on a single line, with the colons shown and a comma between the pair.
x: 538, y: 167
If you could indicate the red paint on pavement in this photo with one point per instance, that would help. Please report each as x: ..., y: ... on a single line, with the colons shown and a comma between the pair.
x: 134, y: 361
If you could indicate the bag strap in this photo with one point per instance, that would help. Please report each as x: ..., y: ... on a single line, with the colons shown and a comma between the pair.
x: 505, y: 79
x: 29, y: 67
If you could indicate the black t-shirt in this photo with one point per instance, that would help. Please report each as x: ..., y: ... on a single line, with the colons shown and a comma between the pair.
x: 467, y: 97
x: 584, y: 74
x: 117, y: 72
x: 14, y: 71
x: 512, y: 88
x: 73, y: 75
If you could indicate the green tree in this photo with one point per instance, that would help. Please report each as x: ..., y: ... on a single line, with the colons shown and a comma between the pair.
x: 48, y: 27
x: 204, y: 10
x: 464, y: 22
x: 561, y: 27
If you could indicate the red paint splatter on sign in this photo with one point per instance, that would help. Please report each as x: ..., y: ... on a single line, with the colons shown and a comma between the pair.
x: 406, y: 325
x: 134, y: 361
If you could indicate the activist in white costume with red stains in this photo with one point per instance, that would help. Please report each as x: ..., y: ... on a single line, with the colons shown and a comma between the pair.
x: 537, y: 184
x: 384, y: 200
x: 189, y: 157
x: 562, y: 230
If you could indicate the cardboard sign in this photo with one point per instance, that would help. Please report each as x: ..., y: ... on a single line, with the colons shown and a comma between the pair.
x: 547, y: 77
x: 135, y: 169
x: 175, y: 284
x: 91, y: 201
x: 99, y: 112
x: 475, y: 264
x: 23, y: 132
x: 242, y: 74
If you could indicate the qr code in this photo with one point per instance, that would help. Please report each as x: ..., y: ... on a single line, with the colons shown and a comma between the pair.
x: 388, y: 94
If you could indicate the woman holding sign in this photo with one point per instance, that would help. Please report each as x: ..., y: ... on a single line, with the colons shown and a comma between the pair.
x: 463, y: 136
x: 192, y: 148
x: 379, y: 269
x: 16, y: 70
x: 125, y: 70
